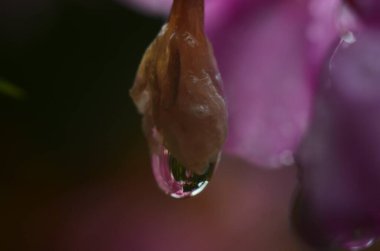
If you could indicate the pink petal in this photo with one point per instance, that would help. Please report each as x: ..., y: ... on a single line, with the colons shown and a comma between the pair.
x: 265, y: 62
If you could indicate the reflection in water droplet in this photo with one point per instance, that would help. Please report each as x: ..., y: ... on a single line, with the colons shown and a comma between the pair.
x: 358, y: 241
x: 174, y: 179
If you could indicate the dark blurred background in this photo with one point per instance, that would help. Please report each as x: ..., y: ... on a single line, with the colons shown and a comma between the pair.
x: 66, y: 116
x: 72, y: 65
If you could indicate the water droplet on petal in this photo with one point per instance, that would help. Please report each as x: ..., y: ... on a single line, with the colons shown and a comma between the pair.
x: 175, y: 179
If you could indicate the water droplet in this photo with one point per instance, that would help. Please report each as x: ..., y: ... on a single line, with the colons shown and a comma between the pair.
x: 349, y: 37
x: 357, y: 241
x: 174, y: 179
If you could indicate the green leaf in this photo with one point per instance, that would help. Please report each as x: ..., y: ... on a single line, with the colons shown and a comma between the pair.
x: 9, y: 89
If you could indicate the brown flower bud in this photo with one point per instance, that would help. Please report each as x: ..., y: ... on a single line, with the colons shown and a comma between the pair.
x: 178, y: 89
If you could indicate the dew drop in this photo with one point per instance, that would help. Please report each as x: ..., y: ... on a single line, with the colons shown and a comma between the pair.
x: 174, y: 179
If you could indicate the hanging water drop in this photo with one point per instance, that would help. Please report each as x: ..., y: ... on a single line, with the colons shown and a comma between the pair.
x: 175, y: 179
